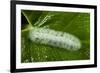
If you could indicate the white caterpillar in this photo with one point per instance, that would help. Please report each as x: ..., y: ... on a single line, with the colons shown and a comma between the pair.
x: 54, y: 38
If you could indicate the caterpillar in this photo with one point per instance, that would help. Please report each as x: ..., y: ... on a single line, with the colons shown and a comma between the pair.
x: 54, y: 38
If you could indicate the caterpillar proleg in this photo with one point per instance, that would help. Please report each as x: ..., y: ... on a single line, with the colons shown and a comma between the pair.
x: 54, y: 38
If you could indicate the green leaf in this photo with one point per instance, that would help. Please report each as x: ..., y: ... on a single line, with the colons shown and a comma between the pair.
x: 75, y: 23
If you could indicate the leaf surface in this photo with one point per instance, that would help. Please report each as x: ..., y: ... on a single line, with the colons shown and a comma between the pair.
x: 74, y: 23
